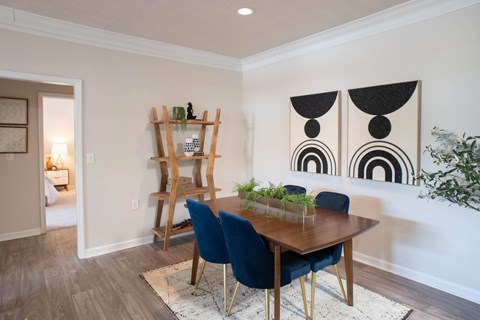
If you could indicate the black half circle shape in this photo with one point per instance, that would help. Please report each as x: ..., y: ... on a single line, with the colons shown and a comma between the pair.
x: 381, y: 100
x: 314, y: 105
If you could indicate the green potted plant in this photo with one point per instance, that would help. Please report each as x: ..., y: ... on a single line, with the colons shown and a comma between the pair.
x: 272, y: 195
x: 180, y: 114
x: 244, y: 188
x: 457, y: 179
x: 299, y: 203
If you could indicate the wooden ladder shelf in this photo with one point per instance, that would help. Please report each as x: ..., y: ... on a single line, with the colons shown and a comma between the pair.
x: 169, y: 160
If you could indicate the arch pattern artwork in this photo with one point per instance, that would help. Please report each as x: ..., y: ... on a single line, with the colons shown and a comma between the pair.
x: 384, y: 147
x: 314, y: 133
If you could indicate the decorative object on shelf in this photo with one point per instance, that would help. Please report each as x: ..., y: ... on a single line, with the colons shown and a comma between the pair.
x: 59, y: 150
x: 13, y: 139
x: 49, y: 164
x: 315, y: 134
x: 13, y: 111
x: 182, y: 224
x: 379, y: 147
x: 188, y: 147
x: 196, y: 142
x: 179, y: 114
x: 457, y: 179
x: 190, y: 115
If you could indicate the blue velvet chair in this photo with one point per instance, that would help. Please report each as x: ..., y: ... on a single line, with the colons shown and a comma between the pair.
x: 329, y: 256
x: 210, y: 240
x: 253, y: 263
x: 293, y: 189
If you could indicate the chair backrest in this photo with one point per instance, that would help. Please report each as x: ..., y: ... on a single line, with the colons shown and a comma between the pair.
x: 333, y: 201
x: 293, y: 189
x: 336, y: 202
x: 252, y: 262
x: 208, y: 233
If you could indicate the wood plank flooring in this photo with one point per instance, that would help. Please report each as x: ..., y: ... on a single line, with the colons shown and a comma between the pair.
x: 41, y: 278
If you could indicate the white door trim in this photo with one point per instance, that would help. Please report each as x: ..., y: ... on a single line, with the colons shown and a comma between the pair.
x: 77, y: 92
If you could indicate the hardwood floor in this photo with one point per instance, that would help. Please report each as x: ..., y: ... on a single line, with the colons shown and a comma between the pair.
x: 41, y: 278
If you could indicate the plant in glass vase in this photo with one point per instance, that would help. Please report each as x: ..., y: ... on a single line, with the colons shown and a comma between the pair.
x: 457, y: 179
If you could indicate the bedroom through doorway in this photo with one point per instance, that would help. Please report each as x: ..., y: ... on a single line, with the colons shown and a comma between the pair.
x: 59, y: 155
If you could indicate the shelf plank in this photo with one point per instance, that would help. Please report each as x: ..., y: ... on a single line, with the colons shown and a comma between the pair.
x: 160, y: 231
x: 205, y: 122
x: 163, y: 195
x: 183, y: 158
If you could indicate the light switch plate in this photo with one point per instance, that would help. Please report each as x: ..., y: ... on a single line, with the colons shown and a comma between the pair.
x: 90, y: 158
x: 10, y: 156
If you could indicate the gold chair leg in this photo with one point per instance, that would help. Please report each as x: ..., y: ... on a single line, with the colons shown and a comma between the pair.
x: 200, y: 275
x: 312, y: 302
x: 340, y: 282
x: 233, y: 298
x: 225, y: 287
x: 302, y: 286
x: 267, y: 305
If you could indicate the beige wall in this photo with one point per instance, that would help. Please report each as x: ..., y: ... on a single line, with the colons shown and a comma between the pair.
x: 118, y: 91
x: 19, y: 185
x: 429, y: 241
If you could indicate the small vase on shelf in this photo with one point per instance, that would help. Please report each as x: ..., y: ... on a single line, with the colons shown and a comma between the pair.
x: 188, y: 147
x: 196, y: 142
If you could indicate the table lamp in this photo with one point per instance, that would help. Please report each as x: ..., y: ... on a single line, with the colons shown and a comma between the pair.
x: 59, y: 149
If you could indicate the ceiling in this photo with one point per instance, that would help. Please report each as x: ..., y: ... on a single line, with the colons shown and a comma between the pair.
x: 210, y: 25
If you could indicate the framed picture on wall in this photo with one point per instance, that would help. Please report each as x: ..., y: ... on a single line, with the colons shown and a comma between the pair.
x: 315, y: 133
x: 13, y: 111
x: 13, y: 139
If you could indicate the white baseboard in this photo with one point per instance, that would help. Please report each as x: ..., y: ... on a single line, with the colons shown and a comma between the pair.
x: 423, y: 278
x: 97, y: 251
x: 20, y: 234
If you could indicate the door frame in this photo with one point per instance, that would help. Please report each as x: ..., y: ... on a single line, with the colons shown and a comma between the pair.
x: 78, y: 125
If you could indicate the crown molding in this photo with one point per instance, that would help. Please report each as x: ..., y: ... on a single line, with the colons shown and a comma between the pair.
x: 399, y: 16
x: 402, y: 15
x: 26, y: 22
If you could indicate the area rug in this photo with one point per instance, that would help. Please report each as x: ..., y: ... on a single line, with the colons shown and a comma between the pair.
x: 172, y: 285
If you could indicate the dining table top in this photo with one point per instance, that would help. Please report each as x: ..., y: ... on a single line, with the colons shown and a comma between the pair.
x: 293, y: 231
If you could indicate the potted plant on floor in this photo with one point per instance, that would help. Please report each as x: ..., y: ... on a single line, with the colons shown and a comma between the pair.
x: 457, y: 179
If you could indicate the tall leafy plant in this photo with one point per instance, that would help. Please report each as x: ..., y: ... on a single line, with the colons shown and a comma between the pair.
x: 457, y: 179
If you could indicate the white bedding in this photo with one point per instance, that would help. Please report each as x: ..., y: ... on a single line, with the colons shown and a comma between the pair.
x: 51, y: 194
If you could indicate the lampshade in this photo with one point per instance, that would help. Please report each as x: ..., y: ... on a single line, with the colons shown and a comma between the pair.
x: 59, y: 149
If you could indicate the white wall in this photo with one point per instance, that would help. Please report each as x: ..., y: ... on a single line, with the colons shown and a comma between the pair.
x: 427, y: 241
x: 118, y: 91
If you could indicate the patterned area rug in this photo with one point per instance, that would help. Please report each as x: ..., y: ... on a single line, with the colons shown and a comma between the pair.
x: 172, y: 285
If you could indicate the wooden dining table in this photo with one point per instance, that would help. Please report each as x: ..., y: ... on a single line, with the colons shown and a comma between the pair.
x: 289, y: 231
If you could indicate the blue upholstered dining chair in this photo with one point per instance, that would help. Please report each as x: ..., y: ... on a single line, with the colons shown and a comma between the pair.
x: 210, y: 241
x: 253, y: 263
x: 329, y: 256
x: 293, y: 189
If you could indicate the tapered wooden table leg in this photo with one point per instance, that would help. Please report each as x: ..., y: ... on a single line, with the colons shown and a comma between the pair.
x: 277, y: 282
x: 195, y: 258
x: 348, y: 255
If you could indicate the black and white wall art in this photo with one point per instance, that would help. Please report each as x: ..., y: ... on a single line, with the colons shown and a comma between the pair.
x: 383, y: 132
x: 314, y: 133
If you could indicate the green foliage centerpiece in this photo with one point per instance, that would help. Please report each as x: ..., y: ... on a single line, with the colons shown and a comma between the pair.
x: 274, y: 196
x: 457, y: 179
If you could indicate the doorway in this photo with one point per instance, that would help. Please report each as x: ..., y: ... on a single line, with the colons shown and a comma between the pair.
x: 77, y: 92
x: 59, y: 155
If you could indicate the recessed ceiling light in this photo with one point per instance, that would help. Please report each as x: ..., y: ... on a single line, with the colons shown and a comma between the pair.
x: 245, y: 11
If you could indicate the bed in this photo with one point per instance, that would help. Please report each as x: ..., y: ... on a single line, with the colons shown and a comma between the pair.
x: 51, y: 194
